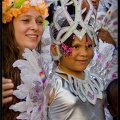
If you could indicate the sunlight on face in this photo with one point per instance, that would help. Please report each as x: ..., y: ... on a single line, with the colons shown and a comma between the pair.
x: 28, y: 29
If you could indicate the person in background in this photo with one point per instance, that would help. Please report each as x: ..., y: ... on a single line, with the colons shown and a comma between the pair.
x: 22, y: 28
x: 51, y: 11
x: 102, y: 33
x: 112, y: 98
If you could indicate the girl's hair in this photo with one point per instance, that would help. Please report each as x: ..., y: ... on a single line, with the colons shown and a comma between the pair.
x: 10, y: 53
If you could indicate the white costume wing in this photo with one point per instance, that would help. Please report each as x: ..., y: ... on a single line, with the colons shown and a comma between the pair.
x: 35, y: 86
x: 104, y: 62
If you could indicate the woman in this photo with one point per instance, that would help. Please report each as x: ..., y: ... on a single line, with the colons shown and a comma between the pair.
x: 23, y: 22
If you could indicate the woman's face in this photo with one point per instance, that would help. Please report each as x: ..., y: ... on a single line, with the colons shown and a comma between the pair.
x: 80, y: 57
x: 28, y: 29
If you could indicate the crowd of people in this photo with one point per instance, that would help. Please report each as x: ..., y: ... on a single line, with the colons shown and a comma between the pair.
x: 75, y: 81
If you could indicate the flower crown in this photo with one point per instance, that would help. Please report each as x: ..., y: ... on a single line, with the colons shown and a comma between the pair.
x: 13, y: 8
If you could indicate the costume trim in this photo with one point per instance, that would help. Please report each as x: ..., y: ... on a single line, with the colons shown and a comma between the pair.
x: 88, y: 89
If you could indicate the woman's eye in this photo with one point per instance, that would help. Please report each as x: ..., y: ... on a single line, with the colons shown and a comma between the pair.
x: 25, y: 20
x: 40, y: 22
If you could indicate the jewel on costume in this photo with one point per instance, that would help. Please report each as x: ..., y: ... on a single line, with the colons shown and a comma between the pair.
x: 43, y: 77
x: 107, y: 64
x: 64, y: 47
x: 67, y: 50
x: 35, y: 94
x: 113, y: 76
x: 73, y: 37
x: 98, y: 55
x: 86, y: 44
x: 115, y: 23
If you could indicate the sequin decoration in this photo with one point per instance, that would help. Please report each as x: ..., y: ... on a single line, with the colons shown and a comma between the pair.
x: 36, y: 92
x: 67, y: 50
x: 43, y: 77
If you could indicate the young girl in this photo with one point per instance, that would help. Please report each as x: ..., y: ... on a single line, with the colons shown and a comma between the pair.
x: 77, y: 92
x: 69, y: 92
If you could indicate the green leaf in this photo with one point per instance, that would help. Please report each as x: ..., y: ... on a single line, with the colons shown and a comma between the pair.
x: 19, y: 3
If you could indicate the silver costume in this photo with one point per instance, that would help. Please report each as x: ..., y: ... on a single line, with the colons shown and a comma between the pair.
x: 68, y: 106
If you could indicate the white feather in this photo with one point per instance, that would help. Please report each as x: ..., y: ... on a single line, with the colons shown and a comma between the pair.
x: 21, y: 107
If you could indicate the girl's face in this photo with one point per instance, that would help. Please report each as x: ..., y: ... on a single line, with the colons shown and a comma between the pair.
x: 80, y: 57
x: 28, y: 29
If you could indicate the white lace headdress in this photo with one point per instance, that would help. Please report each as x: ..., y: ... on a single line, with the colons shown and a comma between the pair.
x: 84, y: 23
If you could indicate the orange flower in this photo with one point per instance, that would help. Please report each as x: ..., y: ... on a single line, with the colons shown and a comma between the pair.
x: 9, y: 10
x: 4, y: 7
x: 9, y: 19
x: 15, y: 12
x: 3, y: 20
x: 24, y: 8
